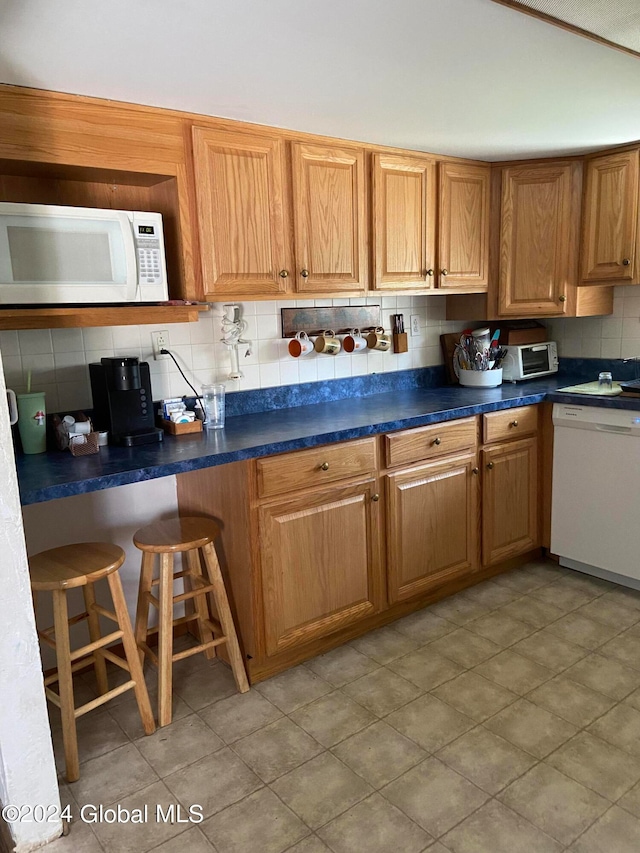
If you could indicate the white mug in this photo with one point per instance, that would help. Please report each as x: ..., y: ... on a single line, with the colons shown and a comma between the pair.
x: 300, y: 345
x: 354, y: 342
x: 13, y: 406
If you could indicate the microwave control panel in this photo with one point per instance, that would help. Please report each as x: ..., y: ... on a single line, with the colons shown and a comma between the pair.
x: 148, y: 250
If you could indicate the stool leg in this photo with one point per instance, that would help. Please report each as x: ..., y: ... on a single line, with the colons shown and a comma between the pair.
x: 142, y: 610
x: 165, y: 640
x: 65, y: 684
x: 226, y: 618
x: 200, y: 604
x: 131, y: 653
x: 99, y: 665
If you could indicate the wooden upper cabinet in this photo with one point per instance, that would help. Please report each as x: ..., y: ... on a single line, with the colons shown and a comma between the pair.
x: 463, y: 250
x: 244, y: 234
x: 538, y: 238
x: 610, y: 218
x: 329, y: 218
x: 404, y: 214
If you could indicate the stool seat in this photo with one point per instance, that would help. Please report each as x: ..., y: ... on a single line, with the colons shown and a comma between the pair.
x: 74, y: 565
x: 176, y: 535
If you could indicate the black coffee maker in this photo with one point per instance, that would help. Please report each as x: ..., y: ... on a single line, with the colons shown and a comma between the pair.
x: 122, y: 403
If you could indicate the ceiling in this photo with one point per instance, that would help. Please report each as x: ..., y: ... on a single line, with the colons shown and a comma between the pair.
x: 465, y: 77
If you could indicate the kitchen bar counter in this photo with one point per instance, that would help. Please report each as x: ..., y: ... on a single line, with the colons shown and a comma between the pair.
x: 57, y: 474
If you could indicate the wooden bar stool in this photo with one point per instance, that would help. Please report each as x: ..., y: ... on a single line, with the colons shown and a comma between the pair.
x: 193, y: 537
x: 56, y: 571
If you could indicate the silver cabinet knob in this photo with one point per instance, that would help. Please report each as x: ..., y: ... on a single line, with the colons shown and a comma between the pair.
x: 444, y: 272
x: 325, y: 466
x: 304, y: 273
x: 437, y: 441
x: 626, y: 262
x: 562, y: 298
x: 284, y: 273
x: 429, y: 272
x: 375, y: 498
x: 490, y: 466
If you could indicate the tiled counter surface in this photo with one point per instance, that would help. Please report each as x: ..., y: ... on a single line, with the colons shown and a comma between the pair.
x: 56, y: 474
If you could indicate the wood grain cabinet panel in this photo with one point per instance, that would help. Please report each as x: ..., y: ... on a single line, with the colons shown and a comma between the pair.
x: 610, y: 218
x: 316, y: 466
x: 241, y: 209
x: 404, y: 214
x: 320, y: 559
x: 329, y: 218
x: 463, y: 250
x: 432, y: 534
x: 538, y: 251
x: 509, y: 500
x: 431, y: 442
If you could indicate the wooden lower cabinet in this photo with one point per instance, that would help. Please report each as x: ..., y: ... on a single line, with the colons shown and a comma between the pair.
x: 509, y: 500
x: 320, y: 563
x: 432, y: 525
x: 311, y: 563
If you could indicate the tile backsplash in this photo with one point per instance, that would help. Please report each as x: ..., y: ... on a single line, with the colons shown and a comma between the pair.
x: 58, y: 358
x: 616, y: 335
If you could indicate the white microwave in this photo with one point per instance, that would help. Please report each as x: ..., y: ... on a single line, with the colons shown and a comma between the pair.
x: 54, y: 255
x: 528, y: 361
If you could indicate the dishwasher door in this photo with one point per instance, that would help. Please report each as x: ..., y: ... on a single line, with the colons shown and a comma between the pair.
x: 595, y: 512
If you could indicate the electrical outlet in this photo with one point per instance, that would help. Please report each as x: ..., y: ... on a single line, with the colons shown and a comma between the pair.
x: 415, y: 324
x: 159, y: 340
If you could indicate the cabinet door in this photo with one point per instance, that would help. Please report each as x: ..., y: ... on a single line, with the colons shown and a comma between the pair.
x: 464, y: 225
x: 432, y: 525
x: 244, y: 238
x: 610, y: 218
x: 329, y: 218
x: 509, y: 500
x: 404, y: 211
x: 537, y: 249
x: 320, y: 558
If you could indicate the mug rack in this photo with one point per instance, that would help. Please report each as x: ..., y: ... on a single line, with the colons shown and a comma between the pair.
x: 341, y: 319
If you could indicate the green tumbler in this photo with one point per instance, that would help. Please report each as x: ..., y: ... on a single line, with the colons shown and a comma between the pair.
x: 32, y: 422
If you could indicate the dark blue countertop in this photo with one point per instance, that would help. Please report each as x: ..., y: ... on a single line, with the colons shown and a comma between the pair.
x: 57, y: 474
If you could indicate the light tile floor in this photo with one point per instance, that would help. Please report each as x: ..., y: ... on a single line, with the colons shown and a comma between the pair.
x: 503, y: 719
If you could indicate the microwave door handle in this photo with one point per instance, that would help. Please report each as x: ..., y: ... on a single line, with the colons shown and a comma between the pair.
x: 131, y: 259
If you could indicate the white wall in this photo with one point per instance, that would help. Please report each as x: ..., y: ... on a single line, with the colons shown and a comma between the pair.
x: 58, y: 358
x: 27, y: 769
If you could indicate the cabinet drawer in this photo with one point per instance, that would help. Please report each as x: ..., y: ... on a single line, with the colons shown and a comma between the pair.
x: 512, y: 423
x: 307, y: 469
x: 414, y: 445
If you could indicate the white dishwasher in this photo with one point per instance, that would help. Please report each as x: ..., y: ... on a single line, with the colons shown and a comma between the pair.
x: 595, y: 508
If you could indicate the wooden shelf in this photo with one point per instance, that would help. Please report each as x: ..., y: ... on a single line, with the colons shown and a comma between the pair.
x: 121, y: 315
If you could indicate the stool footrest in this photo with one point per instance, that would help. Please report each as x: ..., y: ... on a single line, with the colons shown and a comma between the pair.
x: 108, y: 614
x: 75, y: 667
x: 149, y: 653
x: 116, y: 659
x: 100, y: 700
x: 201, y: 648
x: 83, y: 651
x: 185, y: 596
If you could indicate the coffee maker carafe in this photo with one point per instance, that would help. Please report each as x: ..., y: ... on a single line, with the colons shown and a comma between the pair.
x: 122, y: 403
